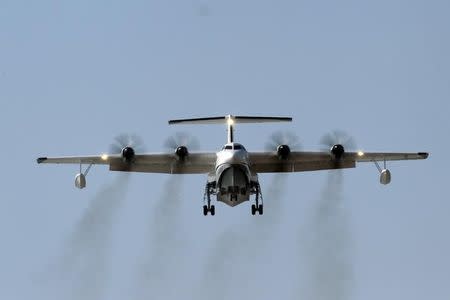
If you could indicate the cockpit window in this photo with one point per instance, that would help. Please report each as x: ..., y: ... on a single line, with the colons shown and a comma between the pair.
x: 233, y: 147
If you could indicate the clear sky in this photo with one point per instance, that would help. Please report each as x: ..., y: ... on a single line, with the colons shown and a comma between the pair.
x: 74, y: 74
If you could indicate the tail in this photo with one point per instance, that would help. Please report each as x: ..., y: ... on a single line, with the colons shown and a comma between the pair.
x: 230, y: 121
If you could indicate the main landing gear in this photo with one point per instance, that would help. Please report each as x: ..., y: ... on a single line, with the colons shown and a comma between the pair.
x: 257, y: 207
x: 208, y: 207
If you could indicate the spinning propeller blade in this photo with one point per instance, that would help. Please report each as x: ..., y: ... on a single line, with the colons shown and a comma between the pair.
x: 181, y: 139
x: 283, y: 138
x: 337, y: 137
x: 126, y: 140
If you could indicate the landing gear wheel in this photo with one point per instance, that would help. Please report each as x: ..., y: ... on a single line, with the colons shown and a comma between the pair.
x: 211, y: 209
x: 258, y: 206
x: 260, y: 209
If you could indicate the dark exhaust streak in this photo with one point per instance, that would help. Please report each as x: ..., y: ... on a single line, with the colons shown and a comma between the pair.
x: 84, y: 266
x: 263, y: 229
x: 232, y: 267
x: 327, y: 262
x: 163, y: 247
x: 275, y: 196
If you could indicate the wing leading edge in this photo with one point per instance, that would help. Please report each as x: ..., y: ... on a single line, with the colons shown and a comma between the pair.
x: 195, y: 163
x: 269, y: 162
x: 261, y: 162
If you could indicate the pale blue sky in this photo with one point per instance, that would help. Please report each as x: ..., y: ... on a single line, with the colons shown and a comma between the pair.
x: 75, y: 74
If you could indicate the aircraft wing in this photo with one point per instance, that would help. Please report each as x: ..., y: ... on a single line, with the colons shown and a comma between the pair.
x: 269, y: 162
x: 195, y: 163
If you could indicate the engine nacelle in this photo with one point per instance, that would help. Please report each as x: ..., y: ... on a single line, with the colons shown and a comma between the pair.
x: 181, y: 152
x: 385, y: 176
x: 128, y: 154
x: 337, y: 151
x: 80, y: 181
x: 283, y: 151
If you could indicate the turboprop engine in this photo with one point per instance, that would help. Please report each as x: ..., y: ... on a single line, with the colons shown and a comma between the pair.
x: 181, y: 152
x: 337, y: 151
x: 128, y: 154
x: 283, y: 143
x: 283, y: 151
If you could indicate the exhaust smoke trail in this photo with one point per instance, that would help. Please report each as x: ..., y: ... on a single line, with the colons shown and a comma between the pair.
x: 84, y: 266
x: 328, y: 257
x: 275, y: 196
x: 161, y: 252
x: 237, y: 252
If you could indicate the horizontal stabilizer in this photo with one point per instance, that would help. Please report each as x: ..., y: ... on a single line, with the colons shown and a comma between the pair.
x: 230, y: 118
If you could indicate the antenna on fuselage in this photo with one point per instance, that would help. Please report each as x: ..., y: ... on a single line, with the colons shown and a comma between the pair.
x: 230, y: 120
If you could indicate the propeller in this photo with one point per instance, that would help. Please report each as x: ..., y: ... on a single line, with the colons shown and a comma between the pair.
x: 337, y: 142
x: 283, y: 142
x: 127, y: 145
x: 180, y: 143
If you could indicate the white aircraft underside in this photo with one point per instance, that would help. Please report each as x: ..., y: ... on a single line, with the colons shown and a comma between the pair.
x: 232, y: 172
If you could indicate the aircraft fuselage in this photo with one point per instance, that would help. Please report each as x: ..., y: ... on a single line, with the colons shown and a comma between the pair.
x: 234, y: 181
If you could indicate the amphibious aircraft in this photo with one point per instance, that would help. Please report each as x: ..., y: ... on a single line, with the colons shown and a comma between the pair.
x: 232, y: 172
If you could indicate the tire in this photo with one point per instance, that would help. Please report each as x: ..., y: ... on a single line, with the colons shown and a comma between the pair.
x: 253, y: 209
x: 212, y: 210
x: 205, y: 210
x: 260, y: 209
